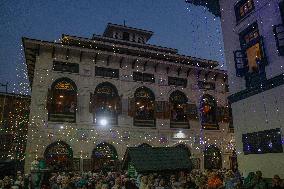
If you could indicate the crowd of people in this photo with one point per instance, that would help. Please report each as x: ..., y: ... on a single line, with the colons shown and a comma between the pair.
x: 196, y: 179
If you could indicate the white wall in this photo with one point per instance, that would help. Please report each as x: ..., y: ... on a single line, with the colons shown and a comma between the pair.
x: 250, y: 114
x: 42, y: 133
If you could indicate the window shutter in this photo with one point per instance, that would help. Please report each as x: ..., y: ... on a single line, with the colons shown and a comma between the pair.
x: 119, y: 106
x: 279, y: 37
x: 91, y: 104
x: 240, y: 63
x: 131, y: 107
x: 281, y: 7
x: 226, y: 117
x: 219, y: 114
x: 160, y: 109
x: 262, y: 51
x: 49, y: 100
x: 192, y: 111
x: 124, y: 106
x: 167, y: 111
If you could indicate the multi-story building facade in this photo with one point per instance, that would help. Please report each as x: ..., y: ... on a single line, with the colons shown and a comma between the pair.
x: 93, y: 98
x: 14, y: 117
x: 253, y: 37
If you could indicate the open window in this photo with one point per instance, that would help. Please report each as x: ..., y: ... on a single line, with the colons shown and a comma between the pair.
x: 178, y: 106
x: 250, y: 61
x: 62, y: 101
x: 253, y: 48
x: 144, y: 107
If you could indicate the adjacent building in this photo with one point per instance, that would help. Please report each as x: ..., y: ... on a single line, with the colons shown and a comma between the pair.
x: 254, y: 49
x: 94, y: 97
x: 14, y: 117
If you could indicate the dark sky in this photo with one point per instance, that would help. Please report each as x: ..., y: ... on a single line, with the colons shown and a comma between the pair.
x: 192, y: 30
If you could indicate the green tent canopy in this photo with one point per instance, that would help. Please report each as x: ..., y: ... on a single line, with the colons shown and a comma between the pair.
x: 157, y: 159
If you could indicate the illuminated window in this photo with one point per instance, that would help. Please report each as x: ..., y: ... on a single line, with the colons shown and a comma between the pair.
x: 208, y: 112
x: 251, y: 59
x: 178, y: 105
x: 251, y: 44
x: 144, y: 107
x: 243, y: 8
x: 62, y: 101
x: 59, y: 156
x: 106, y: 103
x: 104, y: 157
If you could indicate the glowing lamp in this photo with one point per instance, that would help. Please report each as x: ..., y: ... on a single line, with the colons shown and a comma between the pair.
x: 103, y: 122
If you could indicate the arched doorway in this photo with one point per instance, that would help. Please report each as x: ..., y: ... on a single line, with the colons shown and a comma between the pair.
x: 212, y: 158
x: 208, y: 108
x: 106, y: 102
x: 62, y: 101
x: 59, y: 156
x: 144, y: 107
x: 178, y: 104
x: 104, y: 157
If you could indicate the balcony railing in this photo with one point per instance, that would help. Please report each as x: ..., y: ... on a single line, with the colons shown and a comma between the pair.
x: 179, y: 124
x: 105, y: 119
x: 144, y: 122
x: 279, y: 37
x: 62, y: 117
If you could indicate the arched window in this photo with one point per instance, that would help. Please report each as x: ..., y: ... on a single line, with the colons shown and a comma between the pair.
x: 106, y: 102
x: 178, y: 105
x: 212, y: 158
x: 62, y: 101
x: 104, y: 157
x: 59, y: 156
x: 208, y: 112
x: 144, y: 107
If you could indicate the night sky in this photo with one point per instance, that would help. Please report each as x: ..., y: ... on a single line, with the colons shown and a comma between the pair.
x: 192, y: 30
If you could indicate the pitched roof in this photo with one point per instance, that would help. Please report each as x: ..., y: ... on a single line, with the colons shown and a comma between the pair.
x: 157, y: 159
